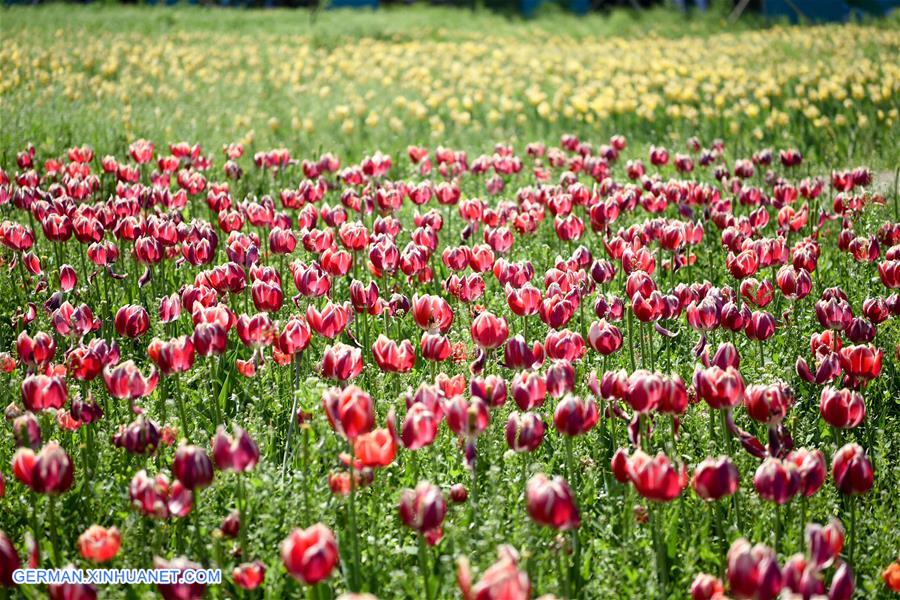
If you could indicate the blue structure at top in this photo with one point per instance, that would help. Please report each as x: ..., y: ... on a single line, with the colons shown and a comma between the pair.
x: 827, y: 10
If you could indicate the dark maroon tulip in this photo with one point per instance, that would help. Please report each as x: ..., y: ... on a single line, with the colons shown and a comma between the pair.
x: 529, y: 390
x: 458, y: 493
x: 575, y: 415
x: 140, y: 437
x: 179, y: 591
x: 52, y: 470
x: 491, y: 389
x: 524, y: 431
x: 550, y: 503
x: 210, y: 339
x: 132, y: 321
x: 423, y: 508
x: 852, y: 470
x: 753, y: 571
x: 9, y: 561
x: 761, y: 326
x: 776, y: 480
x: 27, y: 431
x: 842, y: 583
x: 71, y: 591
x: 192, y: 467
x: 715, y: 478
x: 811, y: 468
x: 231, y: 525
x: 238, y: 453
x: 824, y: 543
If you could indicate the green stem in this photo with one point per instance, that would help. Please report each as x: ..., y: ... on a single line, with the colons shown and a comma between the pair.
x: 423, y: 565
x: 54, y: 533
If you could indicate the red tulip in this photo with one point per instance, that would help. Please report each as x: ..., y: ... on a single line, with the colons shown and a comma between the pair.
x: 432, y: 313
x: 35, y: 351
x: 192, y: 467
x: 435, y: 347
x: 249, y: 576
x: 392, y: 357
x: 419, y: 427
x: 518, y: 354
x: 550, y: 503
x: 524, y: 431
x: 350, y: 411
x: 238, y: 453
x: 423, y: 508
x: 174, y: 356
x: 132, y: 321
x: 707, y: 587
x: 560, y: 378
x: 768, y: 403
x: 604, y: 337
x: 126, y: 382
x: 852, y: 470
x: 715, y: 478
x: 744, y: 264
x: 795, y: 283
x: 644, y: 390
x: 810, y: 466
x: 656, y: 478
x: 502, y: 581
x: 376, y: 448
x: 706, y: 314
x: 40, y: 392
x: 341, y: 362
x: 489, y: 331
x: 99, y: 544
x: 458, y: 493
x: 753, y: 571
x: 467, y: 417
x: 256, y: 331
x: 834, y: 313
x: 529, y: 390
x: 491, y: 389
x: 523, y: 301
x: 575, y: 416
x: 844, y: 409
x: 47, y: 472
x: 824, y: 543
x: 861, y: 362
x: 720, y: 388
x: 157, y: 498
x: 776, y: 480
x: 331, y: 321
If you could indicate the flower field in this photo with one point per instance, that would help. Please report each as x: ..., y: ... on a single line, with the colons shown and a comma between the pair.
x: 421, y: 305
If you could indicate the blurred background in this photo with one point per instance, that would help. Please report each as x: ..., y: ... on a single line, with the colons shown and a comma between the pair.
x: 793, y: 10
